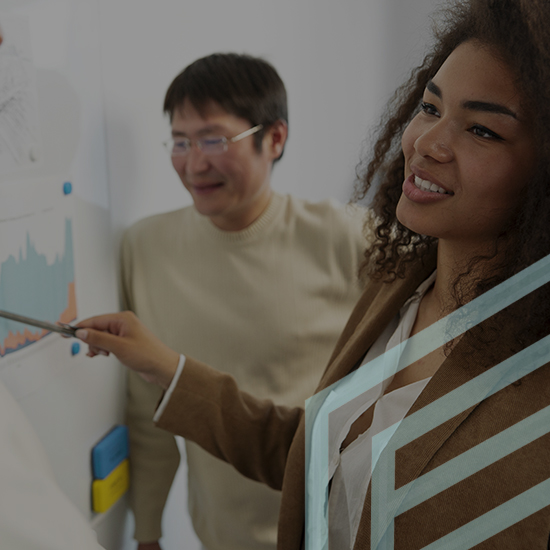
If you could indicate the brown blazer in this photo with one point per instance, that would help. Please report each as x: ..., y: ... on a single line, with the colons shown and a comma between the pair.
x: 266, y: 442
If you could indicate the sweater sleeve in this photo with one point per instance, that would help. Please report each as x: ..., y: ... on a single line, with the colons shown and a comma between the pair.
x: 253, y: 435
x: 154, y: 455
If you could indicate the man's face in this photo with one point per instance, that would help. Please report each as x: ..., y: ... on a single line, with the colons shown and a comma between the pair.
x: 231, y: 188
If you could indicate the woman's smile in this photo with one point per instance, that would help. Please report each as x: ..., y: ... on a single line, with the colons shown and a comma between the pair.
x: 423, y: 191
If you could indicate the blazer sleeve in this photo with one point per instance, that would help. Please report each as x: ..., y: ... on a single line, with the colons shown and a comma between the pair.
x: 253, y: 435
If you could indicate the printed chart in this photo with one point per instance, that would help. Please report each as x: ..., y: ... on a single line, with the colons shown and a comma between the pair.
x: 37, y: 279
x: 31, y: 286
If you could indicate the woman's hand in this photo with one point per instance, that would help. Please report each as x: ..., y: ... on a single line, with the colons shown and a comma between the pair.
x: 134, y: 345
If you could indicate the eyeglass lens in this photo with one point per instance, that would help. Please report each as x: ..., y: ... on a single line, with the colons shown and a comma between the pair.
x: 210, y: 145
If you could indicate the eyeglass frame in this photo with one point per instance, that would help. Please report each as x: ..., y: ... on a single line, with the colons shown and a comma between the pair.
x: 198, y: 142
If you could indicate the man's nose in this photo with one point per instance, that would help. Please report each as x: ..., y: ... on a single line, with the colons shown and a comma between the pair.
x: 196, y: 160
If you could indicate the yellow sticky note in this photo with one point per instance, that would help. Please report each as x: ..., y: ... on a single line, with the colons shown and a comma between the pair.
x: 105, y: 492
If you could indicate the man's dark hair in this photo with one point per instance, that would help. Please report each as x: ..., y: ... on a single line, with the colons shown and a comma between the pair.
x: 245, y: 86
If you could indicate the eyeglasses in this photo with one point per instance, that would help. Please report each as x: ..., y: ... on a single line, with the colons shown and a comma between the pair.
x: 211, y: 145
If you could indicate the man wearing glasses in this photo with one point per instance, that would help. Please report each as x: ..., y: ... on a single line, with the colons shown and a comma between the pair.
x: 250, y: 281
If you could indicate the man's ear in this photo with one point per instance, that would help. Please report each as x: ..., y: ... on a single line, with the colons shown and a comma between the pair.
x: 275, y: 138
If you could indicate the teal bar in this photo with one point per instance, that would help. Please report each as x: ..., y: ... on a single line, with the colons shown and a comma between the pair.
x: 495, y: 521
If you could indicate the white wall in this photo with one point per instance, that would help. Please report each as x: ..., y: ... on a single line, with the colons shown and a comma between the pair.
x: 339, y: 60
x: 406, y: 38
x: 322, y: 49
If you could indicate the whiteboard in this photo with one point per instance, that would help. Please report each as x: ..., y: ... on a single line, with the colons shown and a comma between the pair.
x: 57, y: 261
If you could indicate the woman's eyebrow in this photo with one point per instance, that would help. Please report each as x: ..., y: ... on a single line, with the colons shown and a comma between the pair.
x: 433, y: 88
x: 480, y: 106
x: 489, y: 108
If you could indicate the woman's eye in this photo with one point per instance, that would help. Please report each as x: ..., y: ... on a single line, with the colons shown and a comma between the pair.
x: 483, y: 132
x: 428, y: 108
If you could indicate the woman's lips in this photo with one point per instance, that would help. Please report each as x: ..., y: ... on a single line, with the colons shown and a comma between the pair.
x: 423, y: 191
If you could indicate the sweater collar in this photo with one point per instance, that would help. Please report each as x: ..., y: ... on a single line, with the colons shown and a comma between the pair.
x: 258, y: 227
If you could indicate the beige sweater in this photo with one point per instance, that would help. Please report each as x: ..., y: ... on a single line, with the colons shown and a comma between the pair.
x: 266, y: 305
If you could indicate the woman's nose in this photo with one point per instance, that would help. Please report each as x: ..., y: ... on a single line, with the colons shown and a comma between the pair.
x: 435, y: 142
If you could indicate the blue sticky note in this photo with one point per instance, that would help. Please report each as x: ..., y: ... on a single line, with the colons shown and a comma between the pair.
x: 110, y: 452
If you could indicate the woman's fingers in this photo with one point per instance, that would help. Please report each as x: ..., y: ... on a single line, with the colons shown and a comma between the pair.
x: 132, y: 343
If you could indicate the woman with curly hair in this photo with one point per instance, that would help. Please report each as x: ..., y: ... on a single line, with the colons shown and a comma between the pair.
x: 462, y: 169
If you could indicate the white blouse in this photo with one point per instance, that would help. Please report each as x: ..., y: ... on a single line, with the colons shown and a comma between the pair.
x: 350, y: 470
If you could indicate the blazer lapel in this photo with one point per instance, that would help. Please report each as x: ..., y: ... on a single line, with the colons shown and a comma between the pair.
x: 465, y: 362
x: 379, y: 304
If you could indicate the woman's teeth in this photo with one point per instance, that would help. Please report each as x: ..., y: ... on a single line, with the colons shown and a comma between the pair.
x: 426, y: 185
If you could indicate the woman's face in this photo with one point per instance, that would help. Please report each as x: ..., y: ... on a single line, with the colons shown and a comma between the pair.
x: 469, y: 152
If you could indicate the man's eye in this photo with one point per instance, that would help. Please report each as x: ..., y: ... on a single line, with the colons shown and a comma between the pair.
x: 211, y: 141
x: 428, y: 108
x: 180, y: 145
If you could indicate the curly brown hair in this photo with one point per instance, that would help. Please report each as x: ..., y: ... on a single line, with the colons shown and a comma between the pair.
x: 519, y: 30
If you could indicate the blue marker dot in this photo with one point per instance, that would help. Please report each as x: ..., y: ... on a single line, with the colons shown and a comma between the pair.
x: 67, y: 188
x: 75, y: 348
